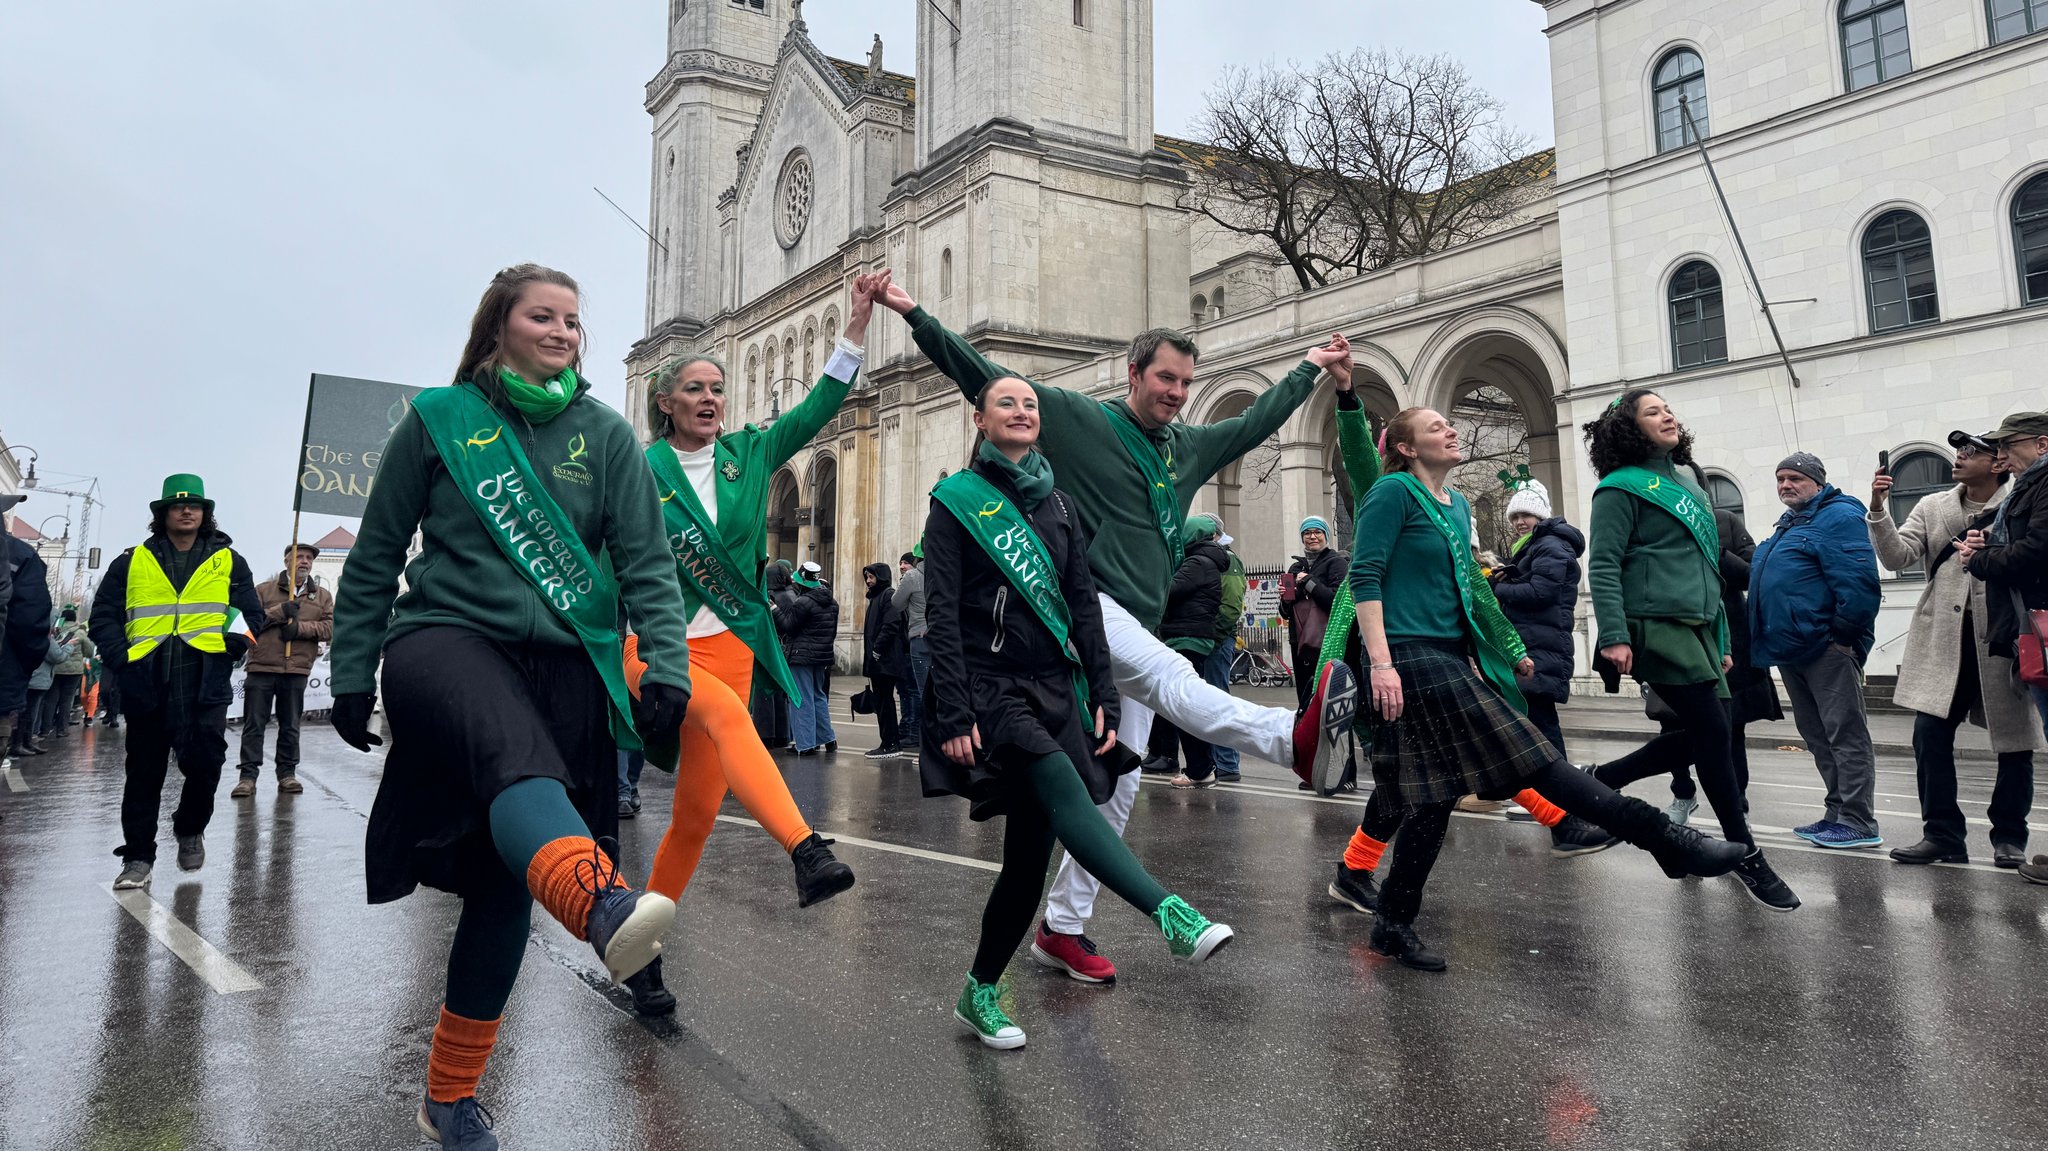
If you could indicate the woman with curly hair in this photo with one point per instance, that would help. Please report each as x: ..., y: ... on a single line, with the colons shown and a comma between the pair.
x: 1655, y: 570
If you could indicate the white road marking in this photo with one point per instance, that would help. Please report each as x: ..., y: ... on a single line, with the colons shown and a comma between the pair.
x: 222, y: 974
x: 878, y: 845
x: 15, y: 781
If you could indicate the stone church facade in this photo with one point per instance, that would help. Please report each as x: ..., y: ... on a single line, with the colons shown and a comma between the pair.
x: 1014, y: 182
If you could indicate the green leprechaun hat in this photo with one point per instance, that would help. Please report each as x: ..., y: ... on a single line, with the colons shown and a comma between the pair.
x: 183, y: 488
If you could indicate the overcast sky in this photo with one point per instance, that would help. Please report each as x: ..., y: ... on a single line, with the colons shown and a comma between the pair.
x: 205, y: 202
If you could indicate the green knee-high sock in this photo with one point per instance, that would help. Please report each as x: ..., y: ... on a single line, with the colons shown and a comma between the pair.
x: 528, y: 816
x: 1088, y: 837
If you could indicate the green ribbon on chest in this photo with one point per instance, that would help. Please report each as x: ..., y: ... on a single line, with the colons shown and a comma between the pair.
x: 708, y: 567
x: 531, y: 529
x: 1668, y: 495
x: 1159, y: 479
x: 993, y: 521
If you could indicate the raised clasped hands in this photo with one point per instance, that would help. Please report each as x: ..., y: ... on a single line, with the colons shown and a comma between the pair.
x: 1334, y: 358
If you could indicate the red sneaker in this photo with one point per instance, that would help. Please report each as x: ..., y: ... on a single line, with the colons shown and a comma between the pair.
x: 1322, y: 733
x: 1073, y: 954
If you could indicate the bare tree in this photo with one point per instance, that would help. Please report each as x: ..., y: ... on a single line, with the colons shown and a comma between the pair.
x: 1359, y: 160
x: 1495, y: 437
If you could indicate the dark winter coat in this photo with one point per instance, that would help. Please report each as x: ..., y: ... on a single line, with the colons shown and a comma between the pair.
x: 27, y: 635
x: 1195, y: 598
x: 885, y: 645
x: 2021, y: 562
x: 173, y: 674
x: 1754, y: 691
x: 809, y: 626
x: 1308, y: 612
x: 1539, y: 591
x: 1814, y: 583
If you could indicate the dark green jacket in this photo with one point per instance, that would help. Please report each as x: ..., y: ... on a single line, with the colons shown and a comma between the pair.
x: 460, y: 578
x: 1128, y: 558
x: 1644, y: 562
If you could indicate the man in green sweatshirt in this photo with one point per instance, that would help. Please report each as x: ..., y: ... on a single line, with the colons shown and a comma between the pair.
x: 1133, y: 471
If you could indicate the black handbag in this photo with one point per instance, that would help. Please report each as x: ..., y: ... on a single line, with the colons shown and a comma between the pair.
x: 863, y: 701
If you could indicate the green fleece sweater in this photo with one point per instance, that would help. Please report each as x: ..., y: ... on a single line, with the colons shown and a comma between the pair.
x: 1644, y: 563
x: 1127, y: 557
x: 588, y: 460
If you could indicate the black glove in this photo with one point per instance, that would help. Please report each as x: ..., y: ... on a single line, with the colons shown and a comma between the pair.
x: 290, y: 608
x: 1304, y: 586
x: 291, y: 626
x: 660, y: 709
x: 351, y: 718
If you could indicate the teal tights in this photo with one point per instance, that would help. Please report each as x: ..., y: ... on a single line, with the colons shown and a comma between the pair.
x: 1049, y: 804
x: 490, y: 938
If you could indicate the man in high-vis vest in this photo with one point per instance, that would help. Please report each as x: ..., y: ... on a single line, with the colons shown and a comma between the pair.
x: 173, y: 616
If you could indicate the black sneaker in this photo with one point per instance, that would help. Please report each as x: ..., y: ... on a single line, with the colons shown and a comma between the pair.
x: 650, y: 997
x: 819, y: 874
x: 1574, y: 836
x: 1763, y: 884
x: 1355, y: 889
x: 1158, y: 765
x: 628, y: 809
x: 1228, y: 776
x: 831, y: 746
x: 886, y: 751
x: 625, y: 926
x: 1399, y: 941
x: 191, y: 852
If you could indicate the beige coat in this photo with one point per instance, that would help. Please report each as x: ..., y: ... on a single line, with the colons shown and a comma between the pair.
x: 1934, y: 645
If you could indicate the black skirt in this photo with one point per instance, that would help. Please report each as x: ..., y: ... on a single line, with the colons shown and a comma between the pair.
x: 1456, y: 736
x: 1021, y: 718
x: 469, y: 717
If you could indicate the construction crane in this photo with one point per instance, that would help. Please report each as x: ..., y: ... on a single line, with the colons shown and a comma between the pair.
x: 90, y: 496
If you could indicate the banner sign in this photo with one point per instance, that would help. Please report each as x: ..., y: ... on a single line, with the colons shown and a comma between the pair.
x: 347, y: 424
x: 319, y: 688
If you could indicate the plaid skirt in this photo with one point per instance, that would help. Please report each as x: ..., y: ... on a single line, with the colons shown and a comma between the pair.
x: 1456, y: 736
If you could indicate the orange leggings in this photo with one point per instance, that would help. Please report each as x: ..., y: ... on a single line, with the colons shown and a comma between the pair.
x: 720, y: 750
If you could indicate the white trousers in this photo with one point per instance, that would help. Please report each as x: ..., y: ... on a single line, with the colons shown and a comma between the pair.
x: 1151, y: 677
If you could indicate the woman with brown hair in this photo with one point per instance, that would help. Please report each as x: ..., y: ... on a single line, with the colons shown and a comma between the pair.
x: 502, y: 678
x: 1440, y: 729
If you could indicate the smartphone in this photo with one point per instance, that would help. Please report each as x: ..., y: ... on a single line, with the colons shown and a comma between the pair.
x: 1884, y: 460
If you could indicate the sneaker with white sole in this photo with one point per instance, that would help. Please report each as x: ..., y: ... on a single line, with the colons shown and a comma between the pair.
x: 134, y: 875
x: 1189, y: 934
x: 1074, y: 954
x: 1184, y: 780
x: 463, y: 1125
x: 980, y: 1010
x: 1681, y: 809
x: 1322, y: 732
x: 1808, y: 831
x: 1840, y: 836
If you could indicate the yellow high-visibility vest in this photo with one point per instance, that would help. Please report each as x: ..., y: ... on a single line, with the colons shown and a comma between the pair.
x: 157, y: 611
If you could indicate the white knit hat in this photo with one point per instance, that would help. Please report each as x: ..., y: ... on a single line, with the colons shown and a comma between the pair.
x: 1533, y: 498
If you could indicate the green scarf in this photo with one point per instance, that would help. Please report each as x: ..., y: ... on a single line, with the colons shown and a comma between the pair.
x: 1521, y: 541
x: 1672, y: 497
x: 1159, y: 480
x: 712, y: 571
x: 1494, y: 664
x: 1002, y: 531
x: 1031, y: 476
x: 530, y: 528
x: 543, y: 403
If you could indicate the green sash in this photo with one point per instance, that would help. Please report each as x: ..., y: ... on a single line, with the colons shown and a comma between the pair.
x: 535, y: 534
x: 1158, y: 480
x: 719, y: 580
x: 1672, y: 497
x: 1494, y: 664
x: 1002, y: 531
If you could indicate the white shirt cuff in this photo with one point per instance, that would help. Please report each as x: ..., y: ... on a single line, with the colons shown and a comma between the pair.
x: 847, y: 358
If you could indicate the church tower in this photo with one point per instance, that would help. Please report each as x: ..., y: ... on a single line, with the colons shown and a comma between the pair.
x: 705, y: 103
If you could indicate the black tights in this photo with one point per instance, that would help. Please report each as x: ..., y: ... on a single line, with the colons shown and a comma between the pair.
x: 1048, y: 804
x: 1702, y: 738
x: 1421, y: 829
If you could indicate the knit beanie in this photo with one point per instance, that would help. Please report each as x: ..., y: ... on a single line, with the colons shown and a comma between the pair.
x: 1531, y: 497
x: 1806, y: 464
x: 1315, y: 524
x: 1202, y: 527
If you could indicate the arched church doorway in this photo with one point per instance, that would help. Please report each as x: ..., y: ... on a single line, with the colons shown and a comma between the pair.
x: 824, y: 507
x: 782, y: 504
x: 1496, y: 372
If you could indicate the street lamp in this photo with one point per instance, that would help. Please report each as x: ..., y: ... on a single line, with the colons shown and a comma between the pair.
x: 29, y: 480
x: 58, y: 516
x: 775, y: 397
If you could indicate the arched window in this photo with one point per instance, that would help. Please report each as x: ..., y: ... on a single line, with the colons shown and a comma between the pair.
x: 753, y: 385
x: 1699, y: 332
x: 946, y: 273
x: 1216, y: 301
x: 1198, y: 308
x: 2030, y: 238
x: 2012, y: 19
x: 1680, y: 73
x: 1725, y: 494
x: 1915, y: 476
x: 1080, y: 13
x: 1874, y: 47
x: 1898, y: 272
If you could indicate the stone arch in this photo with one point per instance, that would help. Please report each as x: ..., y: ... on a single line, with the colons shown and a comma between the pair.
x: 753, y: 385
x: 784, y: 497
x: 810, y: 342
x: 1223, y: 400
x: 1497, y: 372
x: 1198, y: 309
x: 823, y: 490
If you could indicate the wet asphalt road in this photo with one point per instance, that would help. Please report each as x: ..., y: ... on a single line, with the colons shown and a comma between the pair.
x: 1590, y: 1004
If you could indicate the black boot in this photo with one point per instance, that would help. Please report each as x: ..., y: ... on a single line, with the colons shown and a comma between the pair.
x: 819, y: 874
x: 1680, y: 851
x: 650, y: 997
x: 1399, y: 941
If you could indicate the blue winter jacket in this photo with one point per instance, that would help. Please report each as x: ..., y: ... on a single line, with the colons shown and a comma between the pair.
x: 1814, y: 583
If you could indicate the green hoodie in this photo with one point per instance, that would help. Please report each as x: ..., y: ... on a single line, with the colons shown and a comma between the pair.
x: 1127, y: 555
x: 588, y: 460
x: 1643, y: 562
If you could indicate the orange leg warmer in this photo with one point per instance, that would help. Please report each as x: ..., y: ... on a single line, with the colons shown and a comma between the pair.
x: 1363, y: 852
x: 553, y: 879
x: 1547, y: 813
x: 461, y: 1048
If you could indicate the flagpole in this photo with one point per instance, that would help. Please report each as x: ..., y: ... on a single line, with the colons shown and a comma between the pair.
x: 291, y: 564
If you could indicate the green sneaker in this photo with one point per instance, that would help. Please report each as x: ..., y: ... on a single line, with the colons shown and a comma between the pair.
x: 981, y: 1012
x: 1188, y: 933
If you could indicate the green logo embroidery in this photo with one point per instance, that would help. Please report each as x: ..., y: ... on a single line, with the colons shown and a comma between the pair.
x: 577, y: 449
x: 570, y: 469
x: 731, y: 472
x: 478, y: 439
